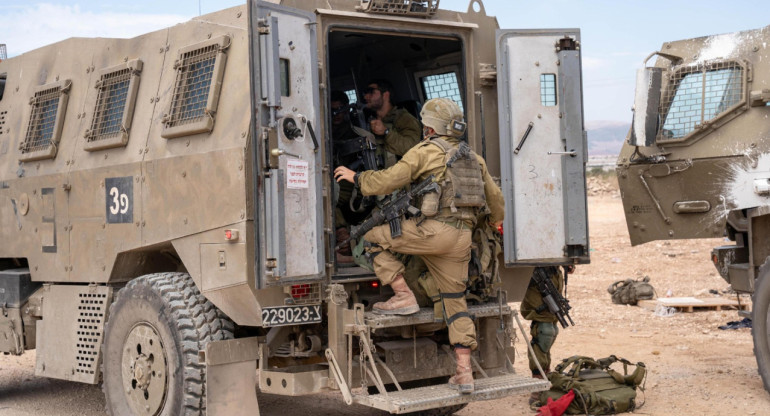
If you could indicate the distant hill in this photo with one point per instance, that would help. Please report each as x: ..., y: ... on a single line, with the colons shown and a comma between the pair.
x: 605, y: 138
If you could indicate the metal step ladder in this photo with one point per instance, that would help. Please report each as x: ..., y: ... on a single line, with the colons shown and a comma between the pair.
x: 424, y: 398
x: 425, y: 316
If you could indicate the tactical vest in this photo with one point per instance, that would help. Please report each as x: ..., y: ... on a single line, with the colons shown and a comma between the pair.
x: 462, y: 186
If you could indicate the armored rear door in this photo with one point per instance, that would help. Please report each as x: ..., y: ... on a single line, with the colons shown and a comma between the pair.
x: 287, y: 175
x: 542, y: 146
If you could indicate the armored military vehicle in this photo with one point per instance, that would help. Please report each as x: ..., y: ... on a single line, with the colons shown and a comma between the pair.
x: 166, y: 203
x: 696, y: 163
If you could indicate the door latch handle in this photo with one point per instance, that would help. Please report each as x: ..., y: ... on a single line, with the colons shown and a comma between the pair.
x: 278, y: 152
x: 571, y: 153
x: 523, y: 138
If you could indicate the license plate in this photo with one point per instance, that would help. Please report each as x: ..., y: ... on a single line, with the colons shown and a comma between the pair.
x: 290, y: 315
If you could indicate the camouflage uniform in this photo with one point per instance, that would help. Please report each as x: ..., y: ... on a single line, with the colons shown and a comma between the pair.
x: 444, y: 243
x: 544, y: 328
x: 404, y: 132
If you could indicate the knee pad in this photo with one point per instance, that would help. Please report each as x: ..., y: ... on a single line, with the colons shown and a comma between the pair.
x: 544, y: 335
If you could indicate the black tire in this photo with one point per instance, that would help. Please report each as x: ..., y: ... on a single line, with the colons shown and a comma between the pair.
x: 760, y: 317
x: 157, y: 325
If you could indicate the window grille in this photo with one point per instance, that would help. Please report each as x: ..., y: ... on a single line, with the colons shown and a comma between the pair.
x: 443, y: 85
x: 114, y: 106
x: 422, y: 8
x: 198, y: 79
x: 48, y: 105
x: 352, y: 97
x: 698, y: 95
x: 548, y: 90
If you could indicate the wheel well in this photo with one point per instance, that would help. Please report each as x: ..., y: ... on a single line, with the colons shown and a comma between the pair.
x: 155, y: 259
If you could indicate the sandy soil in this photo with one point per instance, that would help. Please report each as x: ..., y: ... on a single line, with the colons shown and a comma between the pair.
x: 694, y: 368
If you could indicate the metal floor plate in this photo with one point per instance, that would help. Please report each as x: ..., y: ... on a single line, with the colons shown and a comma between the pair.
x: 425, y: 398
x: 425, y: 315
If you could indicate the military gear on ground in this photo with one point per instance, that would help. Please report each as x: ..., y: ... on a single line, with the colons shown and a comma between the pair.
x: 463, y: 378
x: 444, y: 116
x: 402, y: 302
x: 599, y: 389
x: 630, y: 292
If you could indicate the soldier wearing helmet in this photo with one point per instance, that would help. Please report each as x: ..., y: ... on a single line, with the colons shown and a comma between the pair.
x: 441, y: 235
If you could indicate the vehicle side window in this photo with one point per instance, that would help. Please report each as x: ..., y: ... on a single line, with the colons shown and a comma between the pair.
x: 200, y: 69
x: 442, y: 85
x: 117, y: 88
x: 48, y: 106
x: 700, y: 96
x: 548, y: 90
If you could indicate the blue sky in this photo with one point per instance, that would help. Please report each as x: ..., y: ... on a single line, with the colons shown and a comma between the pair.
x: 616, y: 34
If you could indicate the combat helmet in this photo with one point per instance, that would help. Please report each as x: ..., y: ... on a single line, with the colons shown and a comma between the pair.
x: 444, y: 116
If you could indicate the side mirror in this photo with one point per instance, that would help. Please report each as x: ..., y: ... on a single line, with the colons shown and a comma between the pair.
x: 646, y: 104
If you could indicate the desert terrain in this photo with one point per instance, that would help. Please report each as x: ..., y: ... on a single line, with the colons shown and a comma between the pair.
x: 694, y: 367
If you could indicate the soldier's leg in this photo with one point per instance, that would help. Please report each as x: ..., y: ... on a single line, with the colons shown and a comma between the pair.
x: 451, y: 273
x: 543, y: 337
x: 430, y: 237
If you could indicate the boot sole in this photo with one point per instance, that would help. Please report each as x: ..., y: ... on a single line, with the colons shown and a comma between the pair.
x: 400, y: 311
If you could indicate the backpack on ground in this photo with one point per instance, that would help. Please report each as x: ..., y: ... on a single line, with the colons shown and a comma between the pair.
x: 630, y: 292
x: 599, y: 390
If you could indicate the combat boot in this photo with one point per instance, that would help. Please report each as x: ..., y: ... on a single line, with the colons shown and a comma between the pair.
x: 402, y: 303
x: 463, y: 379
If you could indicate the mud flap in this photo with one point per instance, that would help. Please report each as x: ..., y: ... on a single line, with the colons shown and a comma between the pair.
x: 231, y: 377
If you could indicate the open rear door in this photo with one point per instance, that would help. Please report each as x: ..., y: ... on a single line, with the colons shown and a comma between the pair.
x: 287, y: 176
x: 542, y: 146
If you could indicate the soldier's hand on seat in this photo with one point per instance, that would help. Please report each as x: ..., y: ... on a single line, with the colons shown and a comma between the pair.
x: 377, y: 126
x: 343, y: 173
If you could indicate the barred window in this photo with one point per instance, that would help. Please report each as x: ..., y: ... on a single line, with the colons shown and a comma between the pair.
x: 199, y: 75
x: 352, y: 97
x: 443, y: 85
x: 700, y: 95
x: 548, y: 90
x: 49, y: 104
x: 114, y: 106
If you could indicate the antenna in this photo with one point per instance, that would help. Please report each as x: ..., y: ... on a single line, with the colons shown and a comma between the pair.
x: 199, y: 7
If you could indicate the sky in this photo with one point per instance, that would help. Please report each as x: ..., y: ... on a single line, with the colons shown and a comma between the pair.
x: 616, y: 34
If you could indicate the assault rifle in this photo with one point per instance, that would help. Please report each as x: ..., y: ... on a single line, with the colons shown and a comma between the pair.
x: 392, y: 210
x: 552, y: 298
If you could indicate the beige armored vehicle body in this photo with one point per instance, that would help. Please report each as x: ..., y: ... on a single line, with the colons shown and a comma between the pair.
x: 167, y: 203
x: 696, y: 161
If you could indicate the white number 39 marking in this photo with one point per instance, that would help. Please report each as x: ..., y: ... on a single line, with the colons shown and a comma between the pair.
x: 119, y: 202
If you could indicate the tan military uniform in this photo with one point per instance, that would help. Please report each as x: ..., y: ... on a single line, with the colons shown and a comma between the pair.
x: 404, y: 132
x: 544, y: 329
x: 444, y: 245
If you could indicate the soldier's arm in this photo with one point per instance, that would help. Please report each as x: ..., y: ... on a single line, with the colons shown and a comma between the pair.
x: 404, y: 135
x: 415, y: 163
x: 493, y: 193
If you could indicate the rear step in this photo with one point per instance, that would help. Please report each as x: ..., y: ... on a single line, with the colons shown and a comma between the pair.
x: 424, y: 398
x: 425, y: 316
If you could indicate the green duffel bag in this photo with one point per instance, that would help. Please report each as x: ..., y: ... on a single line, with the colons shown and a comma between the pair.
x: 599, y: 390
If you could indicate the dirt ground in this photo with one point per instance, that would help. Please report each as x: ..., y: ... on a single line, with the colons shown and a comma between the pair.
x: 694, y: 368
